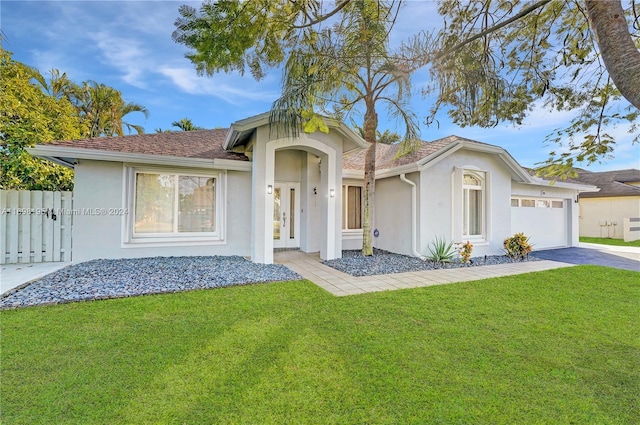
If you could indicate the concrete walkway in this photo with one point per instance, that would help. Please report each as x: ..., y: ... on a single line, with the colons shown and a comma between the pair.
x: 16, y: 275
x: 341, y: 284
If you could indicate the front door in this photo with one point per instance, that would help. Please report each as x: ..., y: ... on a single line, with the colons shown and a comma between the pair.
x: 286, y: 220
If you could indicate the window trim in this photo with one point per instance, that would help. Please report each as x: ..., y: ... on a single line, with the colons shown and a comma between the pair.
x: 345, y: 209
x: 130, y: 238
x: 481, y: 176
x: 537, y: 202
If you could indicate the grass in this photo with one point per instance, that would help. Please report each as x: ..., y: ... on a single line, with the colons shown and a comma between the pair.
x: 560, y: 346
x: 609, y: 241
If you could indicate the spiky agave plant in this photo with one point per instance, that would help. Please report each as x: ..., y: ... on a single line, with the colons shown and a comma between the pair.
x: 441, y: 250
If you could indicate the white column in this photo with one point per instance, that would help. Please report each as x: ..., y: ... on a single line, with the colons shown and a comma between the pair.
x: 261, y: 201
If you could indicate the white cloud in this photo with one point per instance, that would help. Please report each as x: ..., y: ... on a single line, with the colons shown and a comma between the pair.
x: 232, y: 89
x: 44, y: 61
x: 183, y: 78
x: 542, y: 118
x: 126, y: 54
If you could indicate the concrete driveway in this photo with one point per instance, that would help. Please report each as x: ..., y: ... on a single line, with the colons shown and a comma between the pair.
x: 627, y: 258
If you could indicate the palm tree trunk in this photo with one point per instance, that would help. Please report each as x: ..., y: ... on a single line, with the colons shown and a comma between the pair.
x: 619, y: 53
x: 370, y: 127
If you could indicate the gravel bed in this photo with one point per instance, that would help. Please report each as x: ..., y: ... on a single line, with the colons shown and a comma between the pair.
x: 383, y: 262
x: 103, y: 279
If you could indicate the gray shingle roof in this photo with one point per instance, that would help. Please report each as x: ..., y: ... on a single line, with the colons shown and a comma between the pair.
x: 611, y: 183
x: 205, y: 144
x: 386, y: 155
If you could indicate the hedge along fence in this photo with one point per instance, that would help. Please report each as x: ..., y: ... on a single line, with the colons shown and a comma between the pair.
x: 35, y: 226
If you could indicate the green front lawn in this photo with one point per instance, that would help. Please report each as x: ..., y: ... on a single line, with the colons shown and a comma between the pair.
x: 560, y: 346
x: 609, y: 241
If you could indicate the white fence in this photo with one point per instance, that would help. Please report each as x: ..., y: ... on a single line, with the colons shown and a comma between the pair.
x: 35, y: 226
x: 631, y: 229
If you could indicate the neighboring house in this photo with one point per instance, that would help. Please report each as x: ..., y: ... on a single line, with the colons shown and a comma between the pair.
x: 246, y: 191
x: 602, y: 213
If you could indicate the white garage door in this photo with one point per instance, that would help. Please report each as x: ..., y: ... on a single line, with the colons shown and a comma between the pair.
x: 543, y: 220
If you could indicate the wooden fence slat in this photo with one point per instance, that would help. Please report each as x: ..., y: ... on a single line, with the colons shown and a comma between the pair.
x: 66, y: 218
x: 69, y: 235
x: 25, y: 227
x: 48, y: 228
x: 3, y: 226
x: 12, y: 225
x: 36, y: 225
x: 57, y: 205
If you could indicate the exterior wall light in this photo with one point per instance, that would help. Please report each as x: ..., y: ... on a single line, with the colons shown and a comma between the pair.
x: 332, y: 193
x: 269, y: 189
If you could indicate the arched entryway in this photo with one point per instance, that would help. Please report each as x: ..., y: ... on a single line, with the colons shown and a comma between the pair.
x: 321, y: 175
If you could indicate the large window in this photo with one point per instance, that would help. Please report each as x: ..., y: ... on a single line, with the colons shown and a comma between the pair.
x: 473, y: 204
x: 173, y: 206
x: 352, y: 207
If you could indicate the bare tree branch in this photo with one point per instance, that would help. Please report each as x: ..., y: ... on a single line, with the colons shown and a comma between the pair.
x: 524, y: 12
x: 324, y: 17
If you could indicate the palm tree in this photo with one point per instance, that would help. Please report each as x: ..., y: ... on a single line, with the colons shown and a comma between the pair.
x: 185, y: 124
x: 104, y: 109
x: 59, y: 85
x: 387, y: 138
x: 100, y: 107
x: 346, y: 66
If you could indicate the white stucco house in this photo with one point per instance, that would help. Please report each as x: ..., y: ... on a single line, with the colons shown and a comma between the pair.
x: 246, y: 191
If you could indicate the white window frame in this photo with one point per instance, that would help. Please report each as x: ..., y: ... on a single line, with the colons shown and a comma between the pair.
x: 534, y: 202
x: 345, y: 209
x: 130, y: 238
x: 482, y: 177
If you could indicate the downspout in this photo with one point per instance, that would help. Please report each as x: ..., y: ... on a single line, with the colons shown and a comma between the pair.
x: 414, y: 215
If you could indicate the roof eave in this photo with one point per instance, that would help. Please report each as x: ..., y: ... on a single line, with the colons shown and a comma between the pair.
x: 612, y: 195
x: 581, y: 188
x: 242, y: 127
x: 382, y: 173
x: 61, y: 153
x: 63, y: 161
x: 348, y: 173
x: 396, y: 171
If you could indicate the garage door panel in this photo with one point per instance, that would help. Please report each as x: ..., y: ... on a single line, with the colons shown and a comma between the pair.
x: 546, y: 226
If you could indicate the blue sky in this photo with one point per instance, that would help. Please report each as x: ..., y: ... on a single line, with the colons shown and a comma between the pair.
x: 127, y: 45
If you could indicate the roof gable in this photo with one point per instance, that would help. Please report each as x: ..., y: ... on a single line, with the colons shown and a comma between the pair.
x: 429, y: 153
x: 241, y: 130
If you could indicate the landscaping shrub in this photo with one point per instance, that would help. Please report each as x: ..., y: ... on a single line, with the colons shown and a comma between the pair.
x: 517, y: 246
x: 465, y: 249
